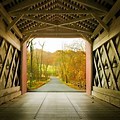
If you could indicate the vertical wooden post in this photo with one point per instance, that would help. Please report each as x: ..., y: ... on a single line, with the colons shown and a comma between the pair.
x: 88, y: 68
x: 23, y: 68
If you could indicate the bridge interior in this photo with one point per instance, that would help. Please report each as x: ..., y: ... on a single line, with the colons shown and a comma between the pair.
x: 97, y: 21
x: 58, y: 106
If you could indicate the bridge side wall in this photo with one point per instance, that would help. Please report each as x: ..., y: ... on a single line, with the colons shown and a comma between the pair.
x: 10, y: 58
x: 106, y: 64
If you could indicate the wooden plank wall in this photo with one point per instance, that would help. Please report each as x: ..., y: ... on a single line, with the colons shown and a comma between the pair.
x: 9, y: 65
x: 106, y: 61
x: 9, y: 71
x: 10, y: 55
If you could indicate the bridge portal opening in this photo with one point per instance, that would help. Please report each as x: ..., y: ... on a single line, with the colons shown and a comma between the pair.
x: 63, y: 58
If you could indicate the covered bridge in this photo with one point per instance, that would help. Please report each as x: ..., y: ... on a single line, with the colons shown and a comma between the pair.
x: 97, y: 21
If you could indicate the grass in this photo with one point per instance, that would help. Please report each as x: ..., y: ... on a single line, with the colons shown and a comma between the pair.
x: 36, y: 84
x: 75, y: 86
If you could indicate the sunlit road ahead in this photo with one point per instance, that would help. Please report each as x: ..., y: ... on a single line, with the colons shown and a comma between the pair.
x: 55, y: 85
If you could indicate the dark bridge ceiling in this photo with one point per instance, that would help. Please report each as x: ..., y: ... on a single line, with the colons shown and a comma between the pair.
x: 58, y: 18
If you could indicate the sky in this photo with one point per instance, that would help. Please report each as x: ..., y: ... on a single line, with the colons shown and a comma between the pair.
x: 53, y: 44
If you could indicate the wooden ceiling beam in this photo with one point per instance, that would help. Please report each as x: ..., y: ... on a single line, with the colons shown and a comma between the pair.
x: 24, y: 4
x: 100, y: 22
x: 36, y: 19
x: 61, y: 25
x: 73, y: 29
x: 56, y: 33
x: 57, y: 36
x: 35, y: 12
x: 77, y: 20
x: 86, y: 38
x: 110, y: 14
x: 27, y: 3
x: 92, y: 4
x: 111, y: 2
x: 6, y: 2
x: 78, y: 8
x: 22, y: 24
x: 14, y: 22
x: 65, y: 23
x: 37, y: 28
x: 27, y: 38
x: 9, y: 37
x: 42, y: 32
x: 8, y: 20
x: 76, y: 29
x: 83, y: 35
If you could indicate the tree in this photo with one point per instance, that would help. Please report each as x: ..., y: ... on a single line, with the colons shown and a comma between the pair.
x: 41, y: 57
x: 71, y: 64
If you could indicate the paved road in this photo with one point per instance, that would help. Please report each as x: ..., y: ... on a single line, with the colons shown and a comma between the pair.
x: 55, y: 85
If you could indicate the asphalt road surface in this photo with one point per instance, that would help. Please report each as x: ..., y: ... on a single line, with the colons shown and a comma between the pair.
x: 55, y: 85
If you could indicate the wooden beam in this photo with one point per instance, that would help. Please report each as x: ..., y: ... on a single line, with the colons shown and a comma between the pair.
x: 14, y: 22
x: 9, y: 83
x: 34, y: 19
x: 8, y: 19
x: 22, y: 24
x: 106, y: 19
x: 111, y: 2
x: 16, y: 70
x: 77, y: 8
x: 6, y: 2
x: 50, y: 33
x: 110, y: 69
x: 92, y: 4
x: 35, y: 12
x: 27, y: 3
x: 24, y: 4
x: 78, y: 19
x: 105, y: 36
x: 97, y: 73
x: 102, y: 68
x: 61, y: 25
x: 65, y: 31
x: 57, y: 35
x: 10, y: 38
x: 100, y: 22
x: 75, y: 28
x: 115, y: 51
x: 5, y: 62
x: 27, y: 38
x: 72, y: 28
x: 37, y: 28
x: 65, y: 23
x: 8, y: 91
x: 86, y: 38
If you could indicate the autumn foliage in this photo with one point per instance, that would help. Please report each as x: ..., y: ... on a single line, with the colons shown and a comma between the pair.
x: 68, y: 64
x: 71, y: 67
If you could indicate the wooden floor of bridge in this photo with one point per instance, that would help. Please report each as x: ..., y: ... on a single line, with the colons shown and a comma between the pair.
x: 58, y: 106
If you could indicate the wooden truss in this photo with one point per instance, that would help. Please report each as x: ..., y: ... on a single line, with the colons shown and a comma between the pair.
x: 79, y: 17
x: 107, y: 64
x: 9, y: 65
